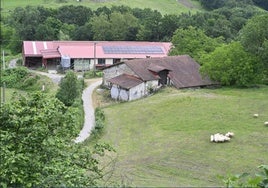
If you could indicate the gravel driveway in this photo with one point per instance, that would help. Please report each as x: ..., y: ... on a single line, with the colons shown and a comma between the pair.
x: 89, y: 112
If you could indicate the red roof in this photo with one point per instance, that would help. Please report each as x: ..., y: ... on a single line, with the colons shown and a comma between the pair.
x: 92, y: 49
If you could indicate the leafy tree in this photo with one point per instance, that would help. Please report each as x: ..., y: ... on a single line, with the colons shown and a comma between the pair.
x: 25, y: 20
x: 254, y: 37
x: 194, y: 42
x: 68, y: 90
x: 78, y: 15
x: 232, y: 65
x: 49, y: 30
x: 83, y: 32
x: 101, y: 28
x: 150, y: 25
x: 123, y: 26
x: 168, y: 25
x: 36, y: 147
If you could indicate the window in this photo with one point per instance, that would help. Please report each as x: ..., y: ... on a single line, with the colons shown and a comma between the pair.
x: 101, y: 61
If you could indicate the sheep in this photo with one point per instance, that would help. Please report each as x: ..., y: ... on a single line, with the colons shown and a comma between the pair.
x: 266, y: 123
x: 255, y: 115
x: 229, y: 134
x: 219, y: 138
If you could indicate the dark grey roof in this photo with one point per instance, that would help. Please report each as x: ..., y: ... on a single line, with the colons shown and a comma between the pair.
x: 184, y: 70
x: 126, y: 81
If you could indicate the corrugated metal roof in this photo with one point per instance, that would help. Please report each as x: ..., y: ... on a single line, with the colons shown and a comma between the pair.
x: 50, y: 53
x: 88, y: 49
x: 126, y: 81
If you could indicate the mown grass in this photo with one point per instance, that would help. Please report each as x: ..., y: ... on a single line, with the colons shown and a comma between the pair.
x: 164, y: 140
x: 165, y: 7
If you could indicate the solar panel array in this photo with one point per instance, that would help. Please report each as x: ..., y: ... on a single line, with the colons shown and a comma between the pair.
x: 132, y: 50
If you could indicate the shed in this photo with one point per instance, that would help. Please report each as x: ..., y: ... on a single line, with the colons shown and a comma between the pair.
x: 126, y: 87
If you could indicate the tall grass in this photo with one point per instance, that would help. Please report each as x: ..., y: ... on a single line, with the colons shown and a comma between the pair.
x: 164, y: 140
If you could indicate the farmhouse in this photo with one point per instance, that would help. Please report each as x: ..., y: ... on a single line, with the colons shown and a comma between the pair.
x: 134, y: 79
x: 87, y: 55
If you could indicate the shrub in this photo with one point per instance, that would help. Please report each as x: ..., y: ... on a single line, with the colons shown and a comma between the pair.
x: 69, y: 89
x: 99, y: 122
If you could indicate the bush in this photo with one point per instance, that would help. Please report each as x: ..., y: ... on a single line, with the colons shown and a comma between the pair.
x: 90, y: 74
x: 69, y: 89
x: 99, y: 122
x: 14, y: 77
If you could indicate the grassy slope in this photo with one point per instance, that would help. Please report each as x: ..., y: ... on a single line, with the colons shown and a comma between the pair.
x: 164, y: 140
x: 167, y: 6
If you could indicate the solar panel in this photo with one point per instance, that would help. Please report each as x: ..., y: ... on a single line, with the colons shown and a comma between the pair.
x: 132, y: 50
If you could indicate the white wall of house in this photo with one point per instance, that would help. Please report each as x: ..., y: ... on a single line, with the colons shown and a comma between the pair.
x: 119, y: 93
x: 137, y: 92
x: 134, y: 93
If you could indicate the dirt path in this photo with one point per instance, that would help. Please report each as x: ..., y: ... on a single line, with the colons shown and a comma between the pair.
x: 54, y: 77
x: 89, y: 112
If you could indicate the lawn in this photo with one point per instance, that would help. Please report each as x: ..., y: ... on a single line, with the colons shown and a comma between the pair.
x: 164, y: 140
x: 165, y: 7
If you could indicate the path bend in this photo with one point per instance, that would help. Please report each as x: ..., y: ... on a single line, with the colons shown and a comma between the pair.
x: 89, y: 122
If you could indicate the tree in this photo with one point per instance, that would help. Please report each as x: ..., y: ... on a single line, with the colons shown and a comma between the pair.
x: 78, y: 15
x: 254, y: 37
x: 150, y: 25
x: 49, y: 30
x: 194, y: 42
x: 101, y: 28
x: 232, y: 65
x: 37, y: 148
x: 123, y: 26
x: 68, y: 90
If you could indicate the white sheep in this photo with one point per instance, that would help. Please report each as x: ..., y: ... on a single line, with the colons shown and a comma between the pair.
x: 229, y: 134
x: 266, y: 123
x: 219, y: 138
x: 255, y: 115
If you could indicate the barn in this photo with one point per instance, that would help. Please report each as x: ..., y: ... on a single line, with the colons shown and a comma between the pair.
x: 134, y: 79
x: 87, y: 55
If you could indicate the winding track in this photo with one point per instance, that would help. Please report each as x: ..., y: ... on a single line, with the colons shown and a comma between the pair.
x: 89, y: 112
x: 87, y: 103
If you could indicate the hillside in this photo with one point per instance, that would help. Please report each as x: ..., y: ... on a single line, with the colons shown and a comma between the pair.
x: 165, y: 7
x: 164, y: 140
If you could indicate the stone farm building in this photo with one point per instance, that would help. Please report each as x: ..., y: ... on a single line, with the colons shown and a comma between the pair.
x: 133, y: 79
x: 87, y: 55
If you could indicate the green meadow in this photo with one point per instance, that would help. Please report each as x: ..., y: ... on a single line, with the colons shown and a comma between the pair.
x: 163, y: 6
x: 164, y: 140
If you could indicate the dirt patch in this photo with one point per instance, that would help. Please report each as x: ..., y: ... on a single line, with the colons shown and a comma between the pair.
x: 187, y: 3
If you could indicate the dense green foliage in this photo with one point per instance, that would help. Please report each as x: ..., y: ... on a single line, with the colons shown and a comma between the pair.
x: 21, y: 78
x: 36, y: 149
x: 69, y: 89
x: 254, y: 37
x: 232, y: 65
x: 116, y: 23
x: 259, y: 179
x: 194, y: 42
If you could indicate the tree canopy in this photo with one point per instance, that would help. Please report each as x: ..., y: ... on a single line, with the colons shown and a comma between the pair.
x: 231, y: 65
x: 37, y: 148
